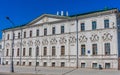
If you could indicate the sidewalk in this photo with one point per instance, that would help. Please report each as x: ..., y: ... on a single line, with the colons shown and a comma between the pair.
x: 26, y: 70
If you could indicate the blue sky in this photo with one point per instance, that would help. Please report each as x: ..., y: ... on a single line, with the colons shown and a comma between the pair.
x: 24, y: 11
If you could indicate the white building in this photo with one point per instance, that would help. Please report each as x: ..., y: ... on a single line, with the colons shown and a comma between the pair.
x: 51, y: 41
x: 0, y: 51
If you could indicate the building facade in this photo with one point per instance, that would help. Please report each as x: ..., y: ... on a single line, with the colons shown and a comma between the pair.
x: 52, y: 41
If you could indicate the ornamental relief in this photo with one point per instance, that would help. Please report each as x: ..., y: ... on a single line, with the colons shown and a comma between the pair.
x: 107, y: 37
x: 53, y: 41
x: 24, y: 43
x: 72, y: 39
x: 83, y: 38
x: 37, y: 42
x: 94, y: 37
x: 30, y: 43
x: 62, y: 40
x: 7, y: 45
x: 18, y: 44
x: 45, y: 42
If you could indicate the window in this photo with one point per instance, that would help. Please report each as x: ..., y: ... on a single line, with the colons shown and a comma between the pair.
x: 37, y: 51
x: 0, y: 46
x: 13, y: 36
x: 82, y: 49
x: 31, y: 33
x: 107, y: 65
x: 19, y: 35
x: 18, y: 51
x: 7, y: 52
x: 82, y: 26
x: 62, y: 64
x: 23, y: 51
x: 37, y: 63
x: 53, y: 51
x: 53, y: 64
x: 30, y: 63
x: 8, y: 37
x: 30, y: 51
x: 45, y: 31
x: 44, y: 64
x: 107, y: 48
x: 17, y: 63
x: 62, y: 29
x: 94, y: 65
x: 94, y: 49
x: 53, y: 30
x: 23, y: 63
x: 106, y: 23
x: 82, y: 65
x: 45, y: 51
x: 62, y: 50
x: 37, y: 32
x: 94, y: 25
x: 24, y: 34
x: 6, y: 62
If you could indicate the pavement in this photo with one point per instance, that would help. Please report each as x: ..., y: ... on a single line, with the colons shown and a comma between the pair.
x: 26, y: 70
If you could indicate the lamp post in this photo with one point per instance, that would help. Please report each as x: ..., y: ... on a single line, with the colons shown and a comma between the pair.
x: 77, y: 42
x: 12, y: 63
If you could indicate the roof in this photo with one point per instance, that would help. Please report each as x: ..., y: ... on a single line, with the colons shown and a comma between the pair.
x: 103, y: 10
x: 106, y: 9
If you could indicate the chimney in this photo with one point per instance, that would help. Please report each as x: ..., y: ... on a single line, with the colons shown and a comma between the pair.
x: 57, y: 12
x: 66, y: 13
x: 62, y: 13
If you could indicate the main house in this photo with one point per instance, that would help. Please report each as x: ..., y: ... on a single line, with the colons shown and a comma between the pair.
x: 87, y: 40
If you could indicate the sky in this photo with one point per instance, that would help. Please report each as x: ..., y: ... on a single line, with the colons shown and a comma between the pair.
x: 24, y: 11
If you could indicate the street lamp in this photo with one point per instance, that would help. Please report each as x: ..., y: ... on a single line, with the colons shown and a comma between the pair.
x: 77, y: 42
x: 12, y: 63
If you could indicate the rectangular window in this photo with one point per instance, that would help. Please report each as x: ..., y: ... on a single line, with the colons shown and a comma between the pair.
x: 53, y: 50
x: 8, y: 37
x: 106, y: 23
x: 30, y: 51
x: 31, y: 33
x: 44, y: 64
x: 53, y: 30
x: 94, y: 49
x: 83, y: 50
x: 37, y: 32
x: 82, y: 26
x: 18, y: 51
x: 45, y: 31
x: 62, y: 29
x: 23, y: 63
x: 94, y: 65
x: 37, y: 63
x: 17, y: 63
x: 24, y: 34
x: 107, y: 65
x: 94, y: 24
x: 6, y: 62
x: 62, y: 64
x: 62, y: 50
x: 107, y: 48
x: 45, y: 51
x: 30, y: 63
x: 23, y: 51
x: 82, y: 65
x: 53, y: 64
x: 37, y: 51
x: 18, y: 35
x: 0, y: 46
x: 7, y: 52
